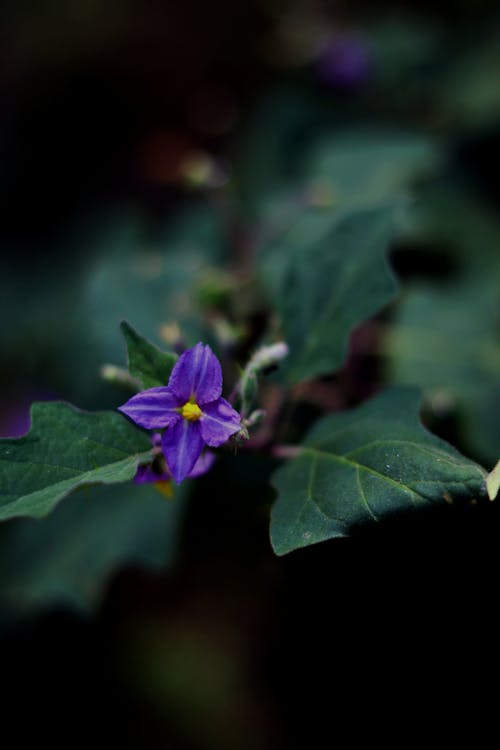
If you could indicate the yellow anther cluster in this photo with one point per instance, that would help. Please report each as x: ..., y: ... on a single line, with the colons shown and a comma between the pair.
x: 191, y: 411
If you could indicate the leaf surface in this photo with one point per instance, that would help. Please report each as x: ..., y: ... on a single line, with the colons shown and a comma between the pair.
x: 445, y: 340
x: 326, y: 274
x: 364, y: 465
x: 66, y: 449
x: 148, y: 364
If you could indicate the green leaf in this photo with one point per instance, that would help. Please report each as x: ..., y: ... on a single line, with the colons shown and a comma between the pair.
x: 326, y: 274
x: 456, y: 222
x: 445, y: 340
x: 468, y: 86
x: 146, y: 362
x: 66, y: 449
x: 125, y: 273
x: 70, y: 557
x: 444, y: 337
x: 365, y: 167
x: 283, y: 118
x: 363, y: 465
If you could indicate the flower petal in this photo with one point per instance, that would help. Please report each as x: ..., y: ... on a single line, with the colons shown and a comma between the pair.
x: 197, y: 374
x: 152, y: 409
x: 203, y: 464
x: 146, y: 474
x: 182, y: 445
x: 218, y: 422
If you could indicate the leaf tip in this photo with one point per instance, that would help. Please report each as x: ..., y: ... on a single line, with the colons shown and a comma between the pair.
x: 493, y: 482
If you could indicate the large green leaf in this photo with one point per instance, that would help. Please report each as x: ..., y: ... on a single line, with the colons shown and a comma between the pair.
x: 365, y: 167
x: 456, y: 222
x: 66, y: 449
x: 146, y: 362
x: 70, y: 556
x: 326, y: 274
x: 279, y: 126
x: 444, y: 337
x: 363, y: 465
x: 445, y: 340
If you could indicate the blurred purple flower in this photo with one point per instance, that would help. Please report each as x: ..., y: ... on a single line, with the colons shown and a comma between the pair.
x: 191, y: 407
x: 344, y: 61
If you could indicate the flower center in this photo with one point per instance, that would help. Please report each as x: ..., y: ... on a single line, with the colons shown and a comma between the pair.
x: 191, y: 411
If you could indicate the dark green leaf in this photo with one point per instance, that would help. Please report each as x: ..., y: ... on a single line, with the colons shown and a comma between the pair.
x: 365, y: 167
x: 70, y: 556
x: 326, y: 274
x: 468, y: 86
x: 445, y: 340
x: 66, y: 449
x: 146, y: 362
x: 364, y: 465
x: 458, y: 224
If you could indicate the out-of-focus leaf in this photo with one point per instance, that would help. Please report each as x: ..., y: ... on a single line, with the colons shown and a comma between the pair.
x: 276, y: 131
x: 69, y: 557
x: 146, y: 362
x: 151, y: 284
x: 365, y: 465
x: 468, y: 89
x: 114, y: 270
x: 66, y: 449
x: 365, y: 168
x: 458, y: 224
x: 326, y: 274
x: 405, y: 51
x: 445, y: 339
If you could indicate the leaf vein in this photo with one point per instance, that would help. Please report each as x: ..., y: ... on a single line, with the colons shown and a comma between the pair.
x: 363, y: 496
x: 356, y: 465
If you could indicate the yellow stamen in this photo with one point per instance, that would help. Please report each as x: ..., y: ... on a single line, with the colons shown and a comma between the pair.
x: 191, y: 411
x: 164, y: 487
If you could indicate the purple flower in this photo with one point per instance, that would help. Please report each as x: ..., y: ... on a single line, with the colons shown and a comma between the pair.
x: 190, y: 407
x: 158, y: 470
x: 344, y: 61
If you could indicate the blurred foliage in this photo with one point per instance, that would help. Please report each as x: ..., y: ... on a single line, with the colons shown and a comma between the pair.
x: 69, y: 559
x: 151, y: 157
x: 445, y: 335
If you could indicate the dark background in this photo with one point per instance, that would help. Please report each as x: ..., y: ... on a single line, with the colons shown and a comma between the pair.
x: 387, y: 636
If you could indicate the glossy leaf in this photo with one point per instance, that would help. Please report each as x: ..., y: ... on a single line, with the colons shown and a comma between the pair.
x: 148, y: 364
x: 326, y: 274
x: 364, y: 465
x: 66, y: 449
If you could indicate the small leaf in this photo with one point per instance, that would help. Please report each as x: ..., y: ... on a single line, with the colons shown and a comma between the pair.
x: 363, y: 465
x: 493, y: 482
x: 146, y: 362
x: 66, y: 449
x: 326, y: 274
